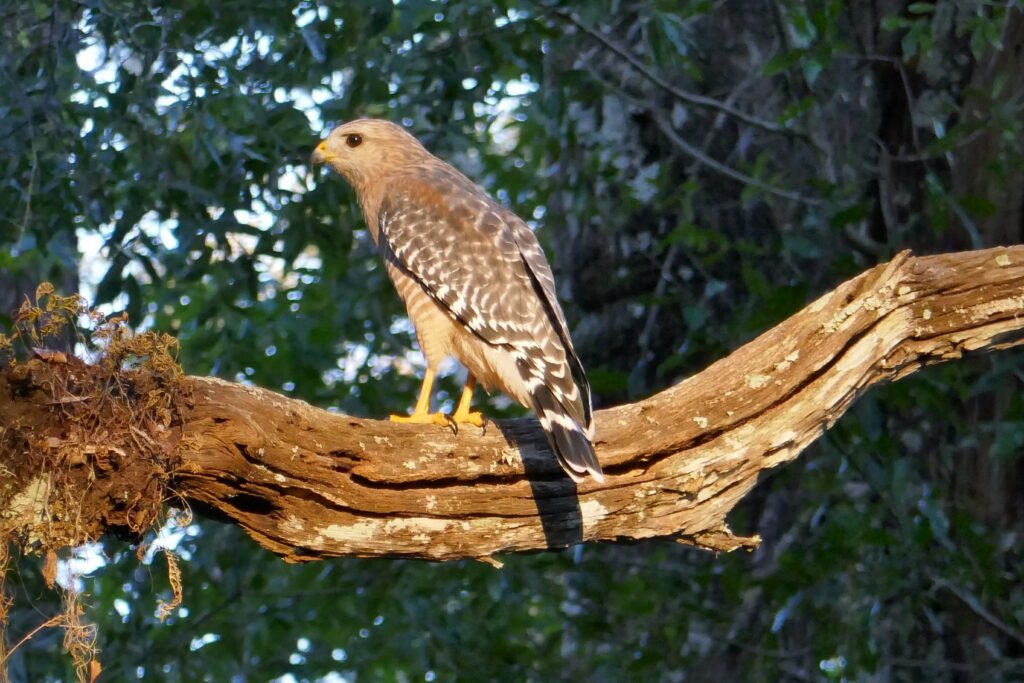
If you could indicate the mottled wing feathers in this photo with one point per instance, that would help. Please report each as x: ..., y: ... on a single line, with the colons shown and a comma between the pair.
x: 568, y: 439
x: 544, y: 282
x: 461, y: 251
x: 486, y: 269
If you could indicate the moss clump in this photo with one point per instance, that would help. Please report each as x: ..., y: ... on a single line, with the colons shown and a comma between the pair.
x: 89, y: 434
x: 87, y: 440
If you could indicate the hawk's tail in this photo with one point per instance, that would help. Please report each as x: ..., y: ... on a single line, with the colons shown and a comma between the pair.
x: 567, y: 438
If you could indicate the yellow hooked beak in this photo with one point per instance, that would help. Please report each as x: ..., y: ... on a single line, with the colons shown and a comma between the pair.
x: 320, y: 155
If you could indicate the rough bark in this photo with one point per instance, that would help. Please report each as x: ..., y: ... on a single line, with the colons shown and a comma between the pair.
x: 308, y: 484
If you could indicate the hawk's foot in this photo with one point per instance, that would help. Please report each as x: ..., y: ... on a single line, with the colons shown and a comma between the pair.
x: 468, y: 417
x: 423, y: 418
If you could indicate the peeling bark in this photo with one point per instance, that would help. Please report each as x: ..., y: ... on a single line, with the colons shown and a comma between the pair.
x: 308, y: 484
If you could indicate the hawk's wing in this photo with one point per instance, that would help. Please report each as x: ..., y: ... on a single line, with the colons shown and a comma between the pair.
x: 486, y: 269
x: 540, y: 272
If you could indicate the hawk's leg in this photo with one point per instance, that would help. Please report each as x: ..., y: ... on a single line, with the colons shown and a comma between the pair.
x: 462, y: 412
x: 421, y: 414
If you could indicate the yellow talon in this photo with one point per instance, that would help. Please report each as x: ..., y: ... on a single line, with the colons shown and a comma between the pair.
x: 462, y: 415
x: 421, y: 415
x: 468, y: 417
x: 423, y: 418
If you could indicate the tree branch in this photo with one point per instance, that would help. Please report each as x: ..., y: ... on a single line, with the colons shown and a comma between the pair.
x: 308, y: 484
x: 700, y: 155
x: 682, y: 95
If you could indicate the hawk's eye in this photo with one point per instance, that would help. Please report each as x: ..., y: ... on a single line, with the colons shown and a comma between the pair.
x: 353, y: 140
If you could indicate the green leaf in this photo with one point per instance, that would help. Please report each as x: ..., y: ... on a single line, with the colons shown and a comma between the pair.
x: 783, y: 62
x: 978, y: 206
x: 896, y: 23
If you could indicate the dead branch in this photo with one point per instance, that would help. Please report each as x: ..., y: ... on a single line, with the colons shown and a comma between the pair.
x: 308, y: 484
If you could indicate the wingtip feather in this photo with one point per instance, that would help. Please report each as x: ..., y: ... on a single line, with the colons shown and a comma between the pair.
x: 572, y: 447
x: 569, y: 440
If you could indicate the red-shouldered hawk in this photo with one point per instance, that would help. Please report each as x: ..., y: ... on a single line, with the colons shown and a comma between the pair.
x: 474, y: 280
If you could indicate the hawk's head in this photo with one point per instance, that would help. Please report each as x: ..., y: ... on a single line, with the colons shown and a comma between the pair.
x: 367, y: 150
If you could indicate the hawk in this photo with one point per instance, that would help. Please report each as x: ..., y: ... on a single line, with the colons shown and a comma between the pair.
x: 475, y: 282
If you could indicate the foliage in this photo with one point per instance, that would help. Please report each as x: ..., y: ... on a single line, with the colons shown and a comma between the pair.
x: 697, y: 171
